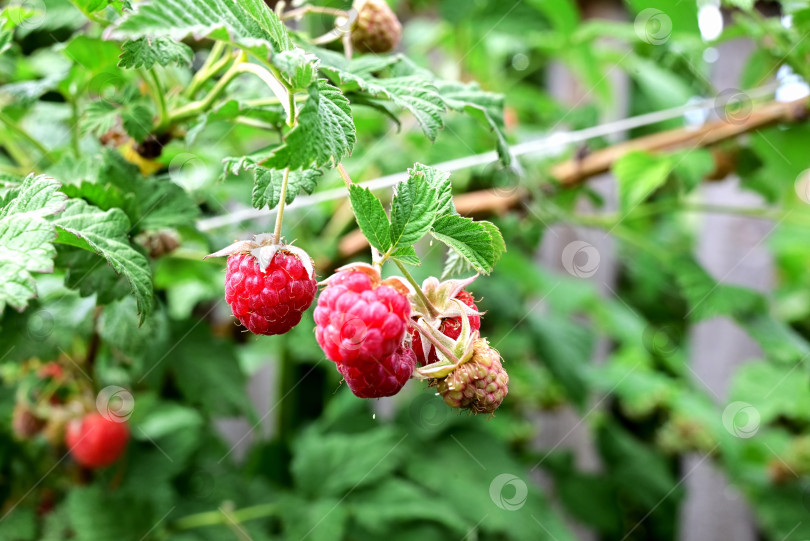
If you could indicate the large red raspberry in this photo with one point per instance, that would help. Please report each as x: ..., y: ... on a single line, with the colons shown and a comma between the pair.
x: 95, y: 441
x: 270, y: 301
x: 375, y: 379
x: 268, y: 285
x: 358, y: 319
x: 450, y: 327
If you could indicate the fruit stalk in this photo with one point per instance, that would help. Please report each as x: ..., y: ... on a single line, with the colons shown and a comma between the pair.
x: 431, y: 309
x: 438, y: 345
x: 347, y: 180
x: 281, y: 203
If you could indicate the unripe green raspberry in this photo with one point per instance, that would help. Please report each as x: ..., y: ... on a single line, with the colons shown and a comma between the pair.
x: 377, y: 28
x: 478, y: 385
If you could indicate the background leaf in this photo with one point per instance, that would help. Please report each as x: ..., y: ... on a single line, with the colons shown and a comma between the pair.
x: 106, y: 233
x: 26, y: 238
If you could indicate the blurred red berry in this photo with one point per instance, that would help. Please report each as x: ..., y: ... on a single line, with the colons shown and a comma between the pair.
x: 95, y: 441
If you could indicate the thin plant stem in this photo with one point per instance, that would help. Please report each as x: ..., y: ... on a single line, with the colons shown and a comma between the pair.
x: 22, y: 134
x: 281, y: 203
x: 344, y: 175
x: 196, y: 107
x: 212, y: 64
x: 421, y: 294
x: 300, y: 12
x: 163, y: 118
x: 439, y: 346
x: 214, y: 518
x: 74, y: 128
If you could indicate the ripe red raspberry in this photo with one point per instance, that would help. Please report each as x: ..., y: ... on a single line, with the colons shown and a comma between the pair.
x: 268, y: 285
x: 95, y: 441
x: 359, y: 319
x: 479, y: 384
x: 450, y: 326
x: 51, y: 370
x: 376, y: 28
x: 375, y: 379
x: 24, y: 423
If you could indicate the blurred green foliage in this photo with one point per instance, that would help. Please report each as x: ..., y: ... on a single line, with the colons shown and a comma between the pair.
x: 336, y: 467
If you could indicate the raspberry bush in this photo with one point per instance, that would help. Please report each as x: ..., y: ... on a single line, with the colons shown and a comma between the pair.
x: 236, y: 303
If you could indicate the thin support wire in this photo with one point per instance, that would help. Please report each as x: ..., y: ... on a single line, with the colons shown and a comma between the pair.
x: 552, y: 144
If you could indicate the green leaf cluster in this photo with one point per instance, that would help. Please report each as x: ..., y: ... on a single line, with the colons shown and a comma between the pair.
x: 423, y: 204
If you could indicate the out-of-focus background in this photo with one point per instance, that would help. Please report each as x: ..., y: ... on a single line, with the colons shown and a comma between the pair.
x: 652, y: 308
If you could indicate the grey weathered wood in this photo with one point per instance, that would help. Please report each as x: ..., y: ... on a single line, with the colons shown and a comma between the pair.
x: 566, y: 429
x: 731, y: 248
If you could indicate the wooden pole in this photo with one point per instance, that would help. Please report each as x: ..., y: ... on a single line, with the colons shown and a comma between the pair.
x: 575, y: 171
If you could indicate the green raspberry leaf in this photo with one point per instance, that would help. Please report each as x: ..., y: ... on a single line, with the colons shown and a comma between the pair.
x: 269, y: 22
x: 26, y: 238
x: 413, y: 210
x: 267, y: 185
x: 248, y: 23
x: 137, y: 121
x: 439, y: 181
x: 6, y: 39
x: 407, y: 255
x: 498, y: 244
x: 455, y: 265
x: 417, y: 96
x: 638, y: 174
x: 325, y: 133
x: 106, y: 233
x: 99, y: 117
x: 299, y: 68
x: 486, y: 107
x: 371, y: 217
x: 471, y: 240
x: 146, y: 52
